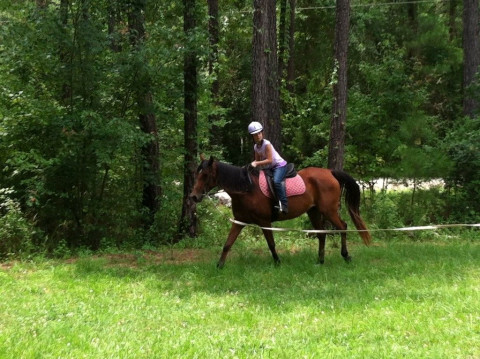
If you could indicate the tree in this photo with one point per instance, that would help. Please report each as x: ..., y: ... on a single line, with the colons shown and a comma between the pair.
x: 85, y: 82
x: 41, y: 4
x: 471, y: 52
x: 147, y: 118
x: 336, y: 147
x: 188, y: 222
x: 265, y: 85
x: 291, y: 48
x: 235, y: 74
x: 214, y: 38
x: 286, y: 46
x: 64, y: 52
x: 282, y: 38
x: 112, y: 24
x: 452, y: 17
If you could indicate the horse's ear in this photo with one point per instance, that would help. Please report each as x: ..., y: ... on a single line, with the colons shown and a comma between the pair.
x: 202, y: 157
x: 210, y: 161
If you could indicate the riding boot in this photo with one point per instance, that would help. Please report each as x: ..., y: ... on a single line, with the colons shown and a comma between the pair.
x: 280, y: 190
x: 284, y: 200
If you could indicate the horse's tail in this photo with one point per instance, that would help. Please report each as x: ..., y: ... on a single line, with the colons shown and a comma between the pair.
x: 352, y: 199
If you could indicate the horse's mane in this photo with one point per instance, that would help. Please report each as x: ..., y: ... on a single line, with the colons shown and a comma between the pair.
x: 233, y: 179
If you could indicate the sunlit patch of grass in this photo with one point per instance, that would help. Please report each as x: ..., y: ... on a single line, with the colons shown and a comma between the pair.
x: 396, y: 299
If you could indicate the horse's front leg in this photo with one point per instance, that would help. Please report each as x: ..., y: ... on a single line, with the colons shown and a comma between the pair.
x: 232, y: 237
x: 271, y: 245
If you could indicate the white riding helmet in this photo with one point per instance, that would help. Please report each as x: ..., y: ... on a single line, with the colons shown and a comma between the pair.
x: 255, y: 127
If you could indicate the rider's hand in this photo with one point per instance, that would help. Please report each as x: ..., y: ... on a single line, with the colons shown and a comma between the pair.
x: 254, y: 164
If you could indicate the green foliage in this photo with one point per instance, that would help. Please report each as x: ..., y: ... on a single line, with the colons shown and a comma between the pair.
x: 462, y: 145
x: 382, y: 212
x: 306, y: 130
x: 394, y: 129
x: 69, y: 138
x: 423, y: 207
x: 16, y: 232
x: 70, y: 141
x: 234, y: 75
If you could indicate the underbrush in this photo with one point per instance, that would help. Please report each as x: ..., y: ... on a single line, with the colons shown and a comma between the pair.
x: 382, y: 211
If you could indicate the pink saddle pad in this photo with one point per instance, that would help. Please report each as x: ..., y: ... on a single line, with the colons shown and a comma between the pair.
x: 295, y: 185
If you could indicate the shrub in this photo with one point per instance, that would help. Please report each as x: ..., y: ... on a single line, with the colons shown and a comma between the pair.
x: 383, y: 210
x: 16, y: 232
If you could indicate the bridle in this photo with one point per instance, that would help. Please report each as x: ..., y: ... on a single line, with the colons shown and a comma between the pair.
x: 204, y: 191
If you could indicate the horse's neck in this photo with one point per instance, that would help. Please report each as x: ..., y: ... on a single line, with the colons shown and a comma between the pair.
x: 232, y: 179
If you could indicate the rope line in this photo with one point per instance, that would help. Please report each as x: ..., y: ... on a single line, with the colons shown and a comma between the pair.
x: 327, y: 231
x: 329, y: 7
x: 371, y: 4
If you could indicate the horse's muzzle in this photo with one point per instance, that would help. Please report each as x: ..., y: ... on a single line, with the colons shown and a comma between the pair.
x: 196, y: 197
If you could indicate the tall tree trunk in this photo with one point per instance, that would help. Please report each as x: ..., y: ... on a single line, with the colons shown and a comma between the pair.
x: 148, y: 123
x: 112, y: 24
x: 470, y: 54
x: 65, y: 56
x: 412, y: 16
x: 291, y: 48
x: 336, y: 148
x: 265, y: 93
x: 282, y: 38
x: 41, y: 4
x: 452, y: 17
x: 214, y: 38
x: 188, y: 224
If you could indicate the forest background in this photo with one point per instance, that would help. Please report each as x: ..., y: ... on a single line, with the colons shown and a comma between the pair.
x: 105, y: 106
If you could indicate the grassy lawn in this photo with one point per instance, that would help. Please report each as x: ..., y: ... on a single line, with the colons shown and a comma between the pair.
x: 397, y: 299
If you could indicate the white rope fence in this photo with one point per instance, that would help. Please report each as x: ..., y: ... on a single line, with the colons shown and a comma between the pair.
x: 327, y: 231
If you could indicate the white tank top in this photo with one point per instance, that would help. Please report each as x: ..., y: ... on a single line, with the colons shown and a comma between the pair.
x: 277, y: 160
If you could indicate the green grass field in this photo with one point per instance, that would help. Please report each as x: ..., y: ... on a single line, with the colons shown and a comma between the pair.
x: 397, y: 299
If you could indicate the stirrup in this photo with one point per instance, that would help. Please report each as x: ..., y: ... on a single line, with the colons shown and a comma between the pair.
x: 281, y: 208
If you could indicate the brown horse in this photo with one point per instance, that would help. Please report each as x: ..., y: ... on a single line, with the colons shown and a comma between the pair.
x: 321, y: 201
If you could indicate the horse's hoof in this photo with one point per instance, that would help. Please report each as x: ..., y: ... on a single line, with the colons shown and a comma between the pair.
x: 277, y: 263
x: 220, y: 265
x: 348, y: 259
x: 321, y: 261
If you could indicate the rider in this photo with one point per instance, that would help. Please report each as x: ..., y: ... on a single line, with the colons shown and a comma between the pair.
x: 267, y: 157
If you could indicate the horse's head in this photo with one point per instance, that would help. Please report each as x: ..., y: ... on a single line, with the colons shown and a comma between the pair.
x: 205, y: 179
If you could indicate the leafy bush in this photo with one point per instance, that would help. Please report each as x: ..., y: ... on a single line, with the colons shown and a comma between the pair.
x: 382, y: 211
x: 393, y: 209
x: 16, y: 232
x: 462, y: 144
x: 214, y: 223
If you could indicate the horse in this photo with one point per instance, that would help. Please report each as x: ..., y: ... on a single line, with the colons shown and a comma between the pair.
x: 321, y: 201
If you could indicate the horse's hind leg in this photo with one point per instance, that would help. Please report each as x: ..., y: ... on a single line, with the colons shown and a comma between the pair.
x: 318, y: 223
x: 344, y: 250
x: 341, y: 225
x: 232, y: 237
x: 271, y: 245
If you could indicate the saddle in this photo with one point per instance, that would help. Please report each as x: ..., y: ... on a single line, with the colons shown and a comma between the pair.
x: 291, y: 172
x: 293, y: 182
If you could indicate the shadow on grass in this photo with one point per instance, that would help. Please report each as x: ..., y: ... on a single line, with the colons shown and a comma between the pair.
x: 386, y: 271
